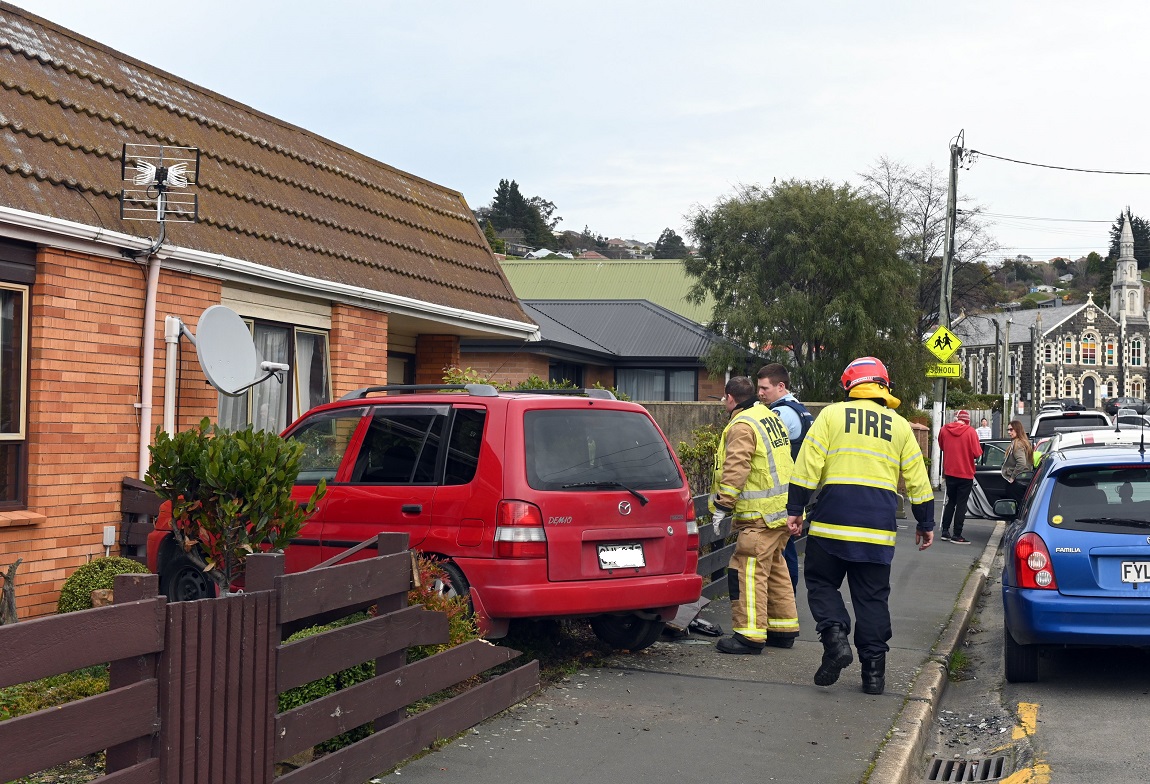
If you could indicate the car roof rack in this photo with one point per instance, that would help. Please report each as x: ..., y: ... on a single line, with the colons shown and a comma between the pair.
x: 478, y: 390
x: 600, y: 394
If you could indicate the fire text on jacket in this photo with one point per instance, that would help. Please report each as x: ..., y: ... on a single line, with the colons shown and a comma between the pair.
x: 869, y: 423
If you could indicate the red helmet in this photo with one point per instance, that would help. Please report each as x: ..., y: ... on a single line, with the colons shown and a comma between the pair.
x: 864, y: 370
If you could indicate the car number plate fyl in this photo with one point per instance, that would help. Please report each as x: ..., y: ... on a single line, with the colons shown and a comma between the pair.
x: 1136, y: 571
x: 621, y: 556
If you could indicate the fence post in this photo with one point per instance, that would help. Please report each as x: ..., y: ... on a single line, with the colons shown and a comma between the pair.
x: 261, y: 571
x: 387, y: 544
x: 133, y: 588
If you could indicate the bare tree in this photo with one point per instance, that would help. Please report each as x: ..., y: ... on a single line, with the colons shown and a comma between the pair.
x: 917, y: 198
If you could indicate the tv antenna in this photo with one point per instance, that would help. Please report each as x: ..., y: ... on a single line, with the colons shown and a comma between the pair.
x: 160, y: 174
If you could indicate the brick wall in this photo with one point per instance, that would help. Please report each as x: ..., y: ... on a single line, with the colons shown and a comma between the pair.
x: 507, y: 367
x: 599, y: 374
x: 434, y: 353
x: 83, y: 420
x: 358, y: 349
x: 710, y: 388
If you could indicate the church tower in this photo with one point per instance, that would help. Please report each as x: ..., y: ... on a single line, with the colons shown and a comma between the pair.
x: 1126, y: 290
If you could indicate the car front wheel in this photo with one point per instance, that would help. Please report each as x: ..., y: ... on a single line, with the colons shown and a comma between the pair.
x: 629, y: 632
x: 185, y: 582
x: 1021, y: 660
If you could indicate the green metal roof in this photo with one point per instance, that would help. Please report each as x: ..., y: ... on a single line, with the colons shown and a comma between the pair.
x: 662, y: 281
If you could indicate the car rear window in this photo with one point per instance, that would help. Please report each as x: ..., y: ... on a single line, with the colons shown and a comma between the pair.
x: 1048, y: 424
x: 1106, y: 500
x: 564, y: 447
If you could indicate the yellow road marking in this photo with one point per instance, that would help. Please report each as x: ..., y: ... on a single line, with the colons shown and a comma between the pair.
x: 1027, y: 718
x: 1039, y: 773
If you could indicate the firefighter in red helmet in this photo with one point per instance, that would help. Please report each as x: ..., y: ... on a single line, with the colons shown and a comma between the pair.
x: 855, y: 451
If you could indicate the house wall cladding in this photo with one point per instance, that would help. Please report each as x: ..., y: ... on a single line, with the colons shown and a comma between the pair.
x: 433, y: 354
x: 359, y: 342
x: 507, y: 367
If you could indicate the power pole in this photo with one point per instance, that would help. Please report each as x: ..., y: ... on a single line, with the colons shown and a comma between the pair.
x: 945, y: 287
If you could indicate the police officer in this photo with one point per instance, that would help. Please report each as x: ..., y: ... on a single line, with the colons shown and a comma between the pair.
x: 774, y: 390
x: 752, y: 467
x: 856, y: 451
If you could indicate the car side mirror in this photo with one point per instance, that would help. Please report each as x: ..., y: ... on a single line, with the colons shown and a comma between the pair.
x: 1006, y: 508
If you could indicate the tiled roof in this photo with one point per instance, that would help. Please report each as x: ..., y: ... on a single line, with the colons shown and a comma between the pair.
x: 663, y: 281
x: 270, y: 193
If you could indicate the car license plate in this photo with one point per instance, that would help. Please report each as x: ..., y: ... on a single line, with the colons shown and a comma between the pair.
x: 621, y: 556
x: 1136, y: 571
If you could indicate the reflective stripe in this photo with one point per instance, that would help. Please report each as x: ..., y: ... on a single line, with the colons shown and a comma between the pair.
x: 773, y: 517
x: 754, y: 635
x: 865, y: 481
x: 728, y: 490
x: 848, y: 533
x: 776, y: 490
x: 783, y: 623
x: 749, y: 591
x: 765, y: 441
x: 846, y: 450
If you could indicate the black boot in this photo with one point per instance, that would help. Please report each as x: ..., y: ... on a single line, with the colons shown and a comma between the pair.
x: 873, y: 675
x: 780, y: 640
x: 836, y: 655
x: 737, y: 643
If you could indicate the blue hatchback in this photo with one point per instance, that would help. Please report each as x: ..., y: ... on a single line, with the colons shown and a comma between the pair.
x: 1077, y: 566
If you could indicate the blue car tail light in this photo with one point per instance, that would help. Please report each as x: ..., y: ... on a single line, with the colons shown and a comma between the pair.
x: 1032, y: 563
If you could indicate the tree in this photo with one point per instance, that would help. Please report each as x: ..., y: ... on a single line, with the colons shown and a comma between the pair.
x: 809, y: 274
x: 497, y: 245
x: 917, y: 200
x: 1141, y: 230
x: 510, y: 210
x: 670, y: 246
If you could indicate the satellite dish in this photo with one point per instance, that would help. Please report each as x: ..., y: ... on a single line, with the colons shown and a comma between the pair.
x: 227, y: 353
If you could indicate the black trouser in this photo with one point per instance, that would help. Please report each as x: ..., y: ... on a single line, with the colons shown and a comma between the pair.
x: 1016, y: 490
x: 791, y: 556
x: 957, y: 492
x: 870, y: 591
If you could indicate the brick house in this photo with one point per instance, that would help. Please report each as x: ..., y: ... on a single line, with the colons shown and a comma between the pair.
x: 348, y: 270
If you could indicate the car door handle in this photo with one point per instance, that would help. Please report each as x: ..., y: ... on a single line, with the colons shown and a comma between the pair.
x: 411, y: 508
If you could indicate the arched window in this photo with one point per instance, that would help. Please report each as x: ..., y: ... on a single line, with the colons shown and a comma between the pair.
x: 1048, y: 388
x: 1048, y: 353
x: 1068, y: 351
x: 1136, y: 389
x: 1109, y: 389
x: 1068, y: 388
x: 1089, y: 350
x: 1111, y: 353
x: 1136, y: 354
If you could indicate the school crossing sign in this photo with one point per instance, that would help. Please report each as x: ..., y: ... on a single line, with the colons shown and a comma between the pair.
x: 943, y: 343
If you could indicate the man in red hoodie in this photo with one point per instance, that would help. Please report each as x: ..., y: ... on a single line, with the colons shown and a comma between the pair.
x: 960, y: 448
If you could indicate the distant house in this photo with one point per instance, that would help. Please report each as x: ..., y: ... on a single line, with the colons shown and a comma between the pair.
x: 591, y: 255
x: 1067, y: 278
x: 644, y: 350
x: 514, y: 243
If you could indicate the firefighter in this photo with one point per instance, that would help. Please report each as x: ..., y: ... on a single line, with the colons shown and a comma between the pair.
x: 752, y: 467
x: 856, y: 451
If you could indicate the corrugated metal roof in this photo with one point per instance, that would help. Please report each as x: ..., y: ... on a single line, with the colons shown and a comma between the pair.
x: 270, y: 193
x: 626, y: 328
x: 662, y: 281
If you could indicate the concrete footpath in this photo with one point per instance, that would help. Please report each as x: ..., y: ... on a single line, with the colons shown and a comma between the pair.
x: 681, y: 710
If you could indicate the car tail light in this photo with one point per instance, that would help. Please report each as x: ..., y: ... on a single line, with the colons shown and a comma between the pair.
x: 692, y: 526
x: 519, y: 531
x: 1032, y: 563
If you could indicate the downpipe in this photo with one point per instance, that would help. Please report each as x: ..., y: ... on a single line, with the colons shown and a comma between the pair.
x: 148, y: 364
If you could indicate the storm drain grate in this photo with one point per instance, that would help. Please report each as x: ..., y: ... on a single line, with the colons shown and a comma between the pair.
x: 986, y: 769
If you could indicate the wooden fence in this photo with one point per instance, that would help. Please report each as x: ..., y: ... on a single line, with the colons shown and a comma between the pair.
x: 714, y: 553
x: 193, y: 685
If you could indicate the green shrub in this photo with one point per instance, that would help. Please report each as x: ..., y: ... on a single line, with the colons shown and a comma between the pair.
x: 460, y: 620
x: 76, y: 593
x: 456, y: 375
x: 698, y: 458
x: 52, y: 691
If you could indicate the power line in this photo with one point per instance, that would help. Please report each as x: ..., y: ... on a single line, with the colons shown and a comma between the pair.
x: 1060, y: 168
x: 1032, y: 217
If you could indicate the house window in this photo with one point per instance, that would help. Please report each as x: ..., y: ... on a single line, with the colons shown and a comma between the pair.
x: 1136, y: 389
x: 566, y: 371
x: 272, y: 404
x: 1136, y: 353
x: 13, y: 393
x: 1068, y: 352
x: 1111, y: 353
x: 1048, y: 388
x: 1048, y: 353
x: 1109, y: 389
x: 656, y: 384
x: 1089, y: 351
x: 1068, y: 389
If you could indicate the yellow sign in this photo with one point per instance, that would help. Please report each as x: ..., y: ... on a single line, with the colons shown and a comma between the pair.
x: 944, y: 370
x: 942, y: 344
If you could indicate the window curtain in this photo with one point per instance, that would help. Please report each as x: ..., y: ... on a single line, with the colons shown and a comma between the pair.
x: 269, y: 398
x: 682, y: 385
x: 312, y: 388
x: 642, y: 384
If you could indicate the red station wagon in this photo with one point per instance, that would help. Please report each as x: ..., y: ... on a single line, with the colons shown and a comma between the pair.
x: 538, y: 505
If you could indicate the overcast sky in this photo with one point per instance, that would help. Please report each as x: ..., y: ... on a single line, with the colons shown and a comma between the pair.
x: 629, y: 115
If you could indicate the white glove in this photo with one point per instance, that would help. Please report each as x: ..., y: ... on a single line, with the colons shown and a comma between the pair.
x: 717, y: 521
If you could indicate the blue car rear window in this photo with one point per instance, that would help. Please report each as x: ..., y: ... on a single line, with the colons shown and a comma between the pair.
x: 1107, y: 500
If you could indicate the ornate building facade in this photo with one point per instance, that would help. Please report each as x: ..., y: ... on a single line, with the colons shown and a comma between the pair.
x: 1079, y: 352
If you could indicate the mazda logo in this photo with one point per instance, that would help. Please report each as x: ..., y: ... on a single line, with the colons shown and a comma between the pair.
x: 624, y: 507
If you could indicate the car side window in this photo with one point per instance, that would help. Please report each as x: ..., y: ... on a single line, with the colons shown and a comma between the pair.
x: 400, y: 446
x: 993, y: 456
x: 463, y: 444
x: 325, y: 438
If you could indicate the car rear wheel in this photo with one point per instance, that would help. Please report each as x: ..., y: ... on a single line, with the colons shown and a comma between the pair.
x: 185, y: 582
x: 1021, y: 660
x: 453, y: 583
x: 626, y: 631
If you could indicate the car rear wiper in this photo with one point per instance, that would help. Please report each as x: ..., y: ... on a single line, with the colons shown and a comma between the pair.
x: 610, y: 483
x: 1116, y: 521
